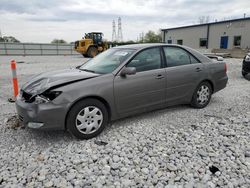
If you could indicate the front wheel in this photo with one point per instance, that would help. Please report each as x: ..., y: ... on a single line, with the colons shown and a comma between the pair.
x: 87, y: 118
x: 85, y: 55
x: 202, y: 95
x: 92, y: 51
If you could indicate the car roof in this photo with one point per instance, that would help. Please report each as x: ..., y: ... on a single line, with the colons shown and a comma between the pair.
x: 145, y: 45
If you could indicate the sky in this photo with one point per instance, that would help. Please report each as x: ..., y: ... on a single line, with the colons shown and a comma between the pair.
x: 44, y: 20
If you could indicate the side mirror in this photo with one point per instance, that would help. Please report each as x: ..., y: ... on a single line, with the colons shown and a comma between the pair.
x: 128, y: 71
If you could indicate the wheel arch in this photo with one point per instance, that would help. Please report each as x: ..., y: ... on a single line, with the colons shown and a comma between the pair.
x: 101, y: 99
x: 210, y: 82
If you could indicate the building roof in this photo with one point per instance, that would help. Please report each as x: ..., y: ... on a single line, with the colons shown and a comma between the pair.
x: 211, y: 23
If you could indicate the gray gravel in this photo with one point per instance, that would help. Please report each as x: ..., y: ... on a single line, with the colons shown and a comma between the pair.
x: 174, y: 147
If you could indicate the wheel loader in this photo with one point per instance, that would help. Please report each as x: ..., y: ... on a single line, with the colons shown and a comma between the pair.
x: 91, y: 44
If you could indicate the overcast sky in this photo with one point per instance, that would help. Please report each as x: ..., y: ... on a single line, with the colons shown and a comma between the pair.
x: 44, y: 20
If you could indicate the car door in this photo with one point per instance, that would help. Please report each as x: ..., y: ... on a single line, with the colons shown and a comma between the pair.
x: 145, y: 89
x: 183, y: 73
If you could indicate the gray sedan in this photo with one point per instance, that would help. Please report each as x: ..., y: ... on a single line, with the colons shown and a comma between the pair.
x: 119, y: 82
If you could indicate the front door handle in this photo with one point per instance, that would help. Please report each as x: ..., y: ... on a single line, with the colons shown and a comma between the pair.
x: 159, y: 76
x: 198, y: 69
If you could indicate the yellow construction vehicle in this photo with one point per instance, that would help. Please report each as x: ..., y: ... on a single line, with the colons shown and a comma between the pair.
x: 91, y: 44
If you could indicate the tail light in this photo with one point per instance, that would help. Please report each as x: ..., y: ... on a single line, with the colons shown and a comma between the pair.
x: 225, y: 67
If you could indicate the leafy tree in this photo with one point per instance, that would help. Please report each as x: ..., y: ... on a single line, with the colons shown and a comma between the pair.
x: 9, y: 39
x: 58, y: 41
x: 152, y: 37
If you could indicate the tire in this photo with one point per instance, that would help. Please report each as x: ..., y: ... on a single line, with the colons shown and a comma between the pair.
x: 84, y: 55
x: 202, y: 95
x: 92, y: 51
x: 87, y: 118
x: 243, y: 73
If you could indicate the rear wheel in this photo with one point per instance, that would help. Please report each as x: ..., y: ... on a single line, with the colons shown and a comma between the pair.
x: 202, y: 95
x: 87, y: 118
x: 92, y: 51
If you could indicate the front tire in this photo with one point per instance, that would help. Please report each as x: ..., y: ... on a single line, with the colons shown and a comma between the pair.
x: 92, y: 51
x: 85, y: 55
x: 87, y: 118
x: 202, y: 95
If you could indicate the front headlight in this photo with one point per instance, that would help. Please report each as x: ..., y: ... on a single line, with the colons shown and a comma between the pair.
x: 40, y: 100
x: 47, y: 96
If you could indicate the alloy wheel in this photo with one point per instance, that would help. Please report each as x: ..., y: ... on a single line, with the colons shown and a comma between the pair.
x: 89, y: 120
x: 203, y: 94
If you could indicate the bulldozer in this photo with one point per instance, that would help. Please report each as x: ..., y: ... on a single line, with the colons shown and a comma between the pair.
x: 91, y: 44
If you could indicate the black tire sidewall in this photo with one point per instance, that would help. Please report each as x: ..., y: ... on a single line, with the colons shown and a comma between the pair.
x: 89, y: 51
x: 194, y: 101
x: 73, y: 112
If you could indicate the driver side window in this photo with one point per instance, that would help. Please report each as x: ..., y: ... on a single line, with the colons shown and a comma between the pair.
x: 146, y: 60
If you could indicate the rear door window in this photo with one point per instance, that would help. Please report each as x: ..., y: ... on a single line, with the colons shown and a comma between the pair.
x: 193, y: 60
x: 176, y: 56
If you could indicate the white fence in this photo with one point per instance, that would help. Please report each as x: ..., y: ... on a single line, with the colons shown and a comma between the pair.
x: 36, y: 49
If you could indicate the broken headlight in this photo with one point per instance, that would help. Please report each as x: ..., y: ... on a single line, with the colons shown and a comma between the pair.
x: 47, y: 96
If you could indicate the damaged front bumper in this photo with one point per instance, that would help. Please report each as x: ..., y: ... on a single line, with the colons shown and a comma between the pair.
x: 47, y: 116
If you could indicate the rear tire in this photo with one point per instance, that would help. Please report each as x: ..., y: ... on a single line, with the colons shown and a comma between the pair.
x: 92, y: 51
x: 202, y: 95
x: 87, y: 118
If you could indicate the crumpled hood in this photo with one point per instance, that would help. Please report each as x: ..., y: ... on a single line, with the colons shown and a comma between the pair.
x: 40, y: 83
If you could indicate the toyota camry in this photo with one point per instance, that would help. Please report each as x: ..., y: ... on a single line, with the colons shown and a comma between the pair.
x: 117, y: 83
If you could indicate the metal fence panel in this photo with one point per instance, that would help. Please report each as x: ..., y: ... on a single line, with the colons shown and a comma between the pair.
x: 33, y: 52
x: 48, y: 47
x: 13, y: 46
x: 36, y: 49
x: 64, y: 52
x: 32, y: 46
x: 2, y: 52
x: 14, y: 51
x: 50, y: 52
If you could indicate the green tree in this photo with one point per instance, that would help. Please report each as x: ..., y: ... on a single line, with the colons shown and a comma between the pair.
x: 9, y: 39
x: 58, y: 41
x: 152, y: 37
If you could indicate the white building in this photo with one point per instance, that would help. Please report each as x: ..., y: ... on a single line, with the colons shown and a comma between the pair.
x: 223, y: 34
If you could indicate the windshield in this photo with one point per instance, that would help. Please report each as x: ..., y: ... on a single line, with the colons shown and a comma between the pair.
x: 107, y: 61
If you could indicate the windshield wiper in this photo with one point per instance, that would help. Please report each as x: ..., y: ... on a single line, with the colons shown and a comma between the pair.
x: 86, y: 70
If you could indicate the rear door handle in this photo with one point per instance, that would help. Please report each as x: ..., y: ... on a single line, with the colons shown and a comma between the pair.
x: 198, y: 69
x: 159, y: 76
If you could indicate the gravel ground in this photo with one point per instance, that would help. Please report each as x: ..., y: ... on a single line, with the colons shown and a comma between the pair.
x: 174, y: 147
